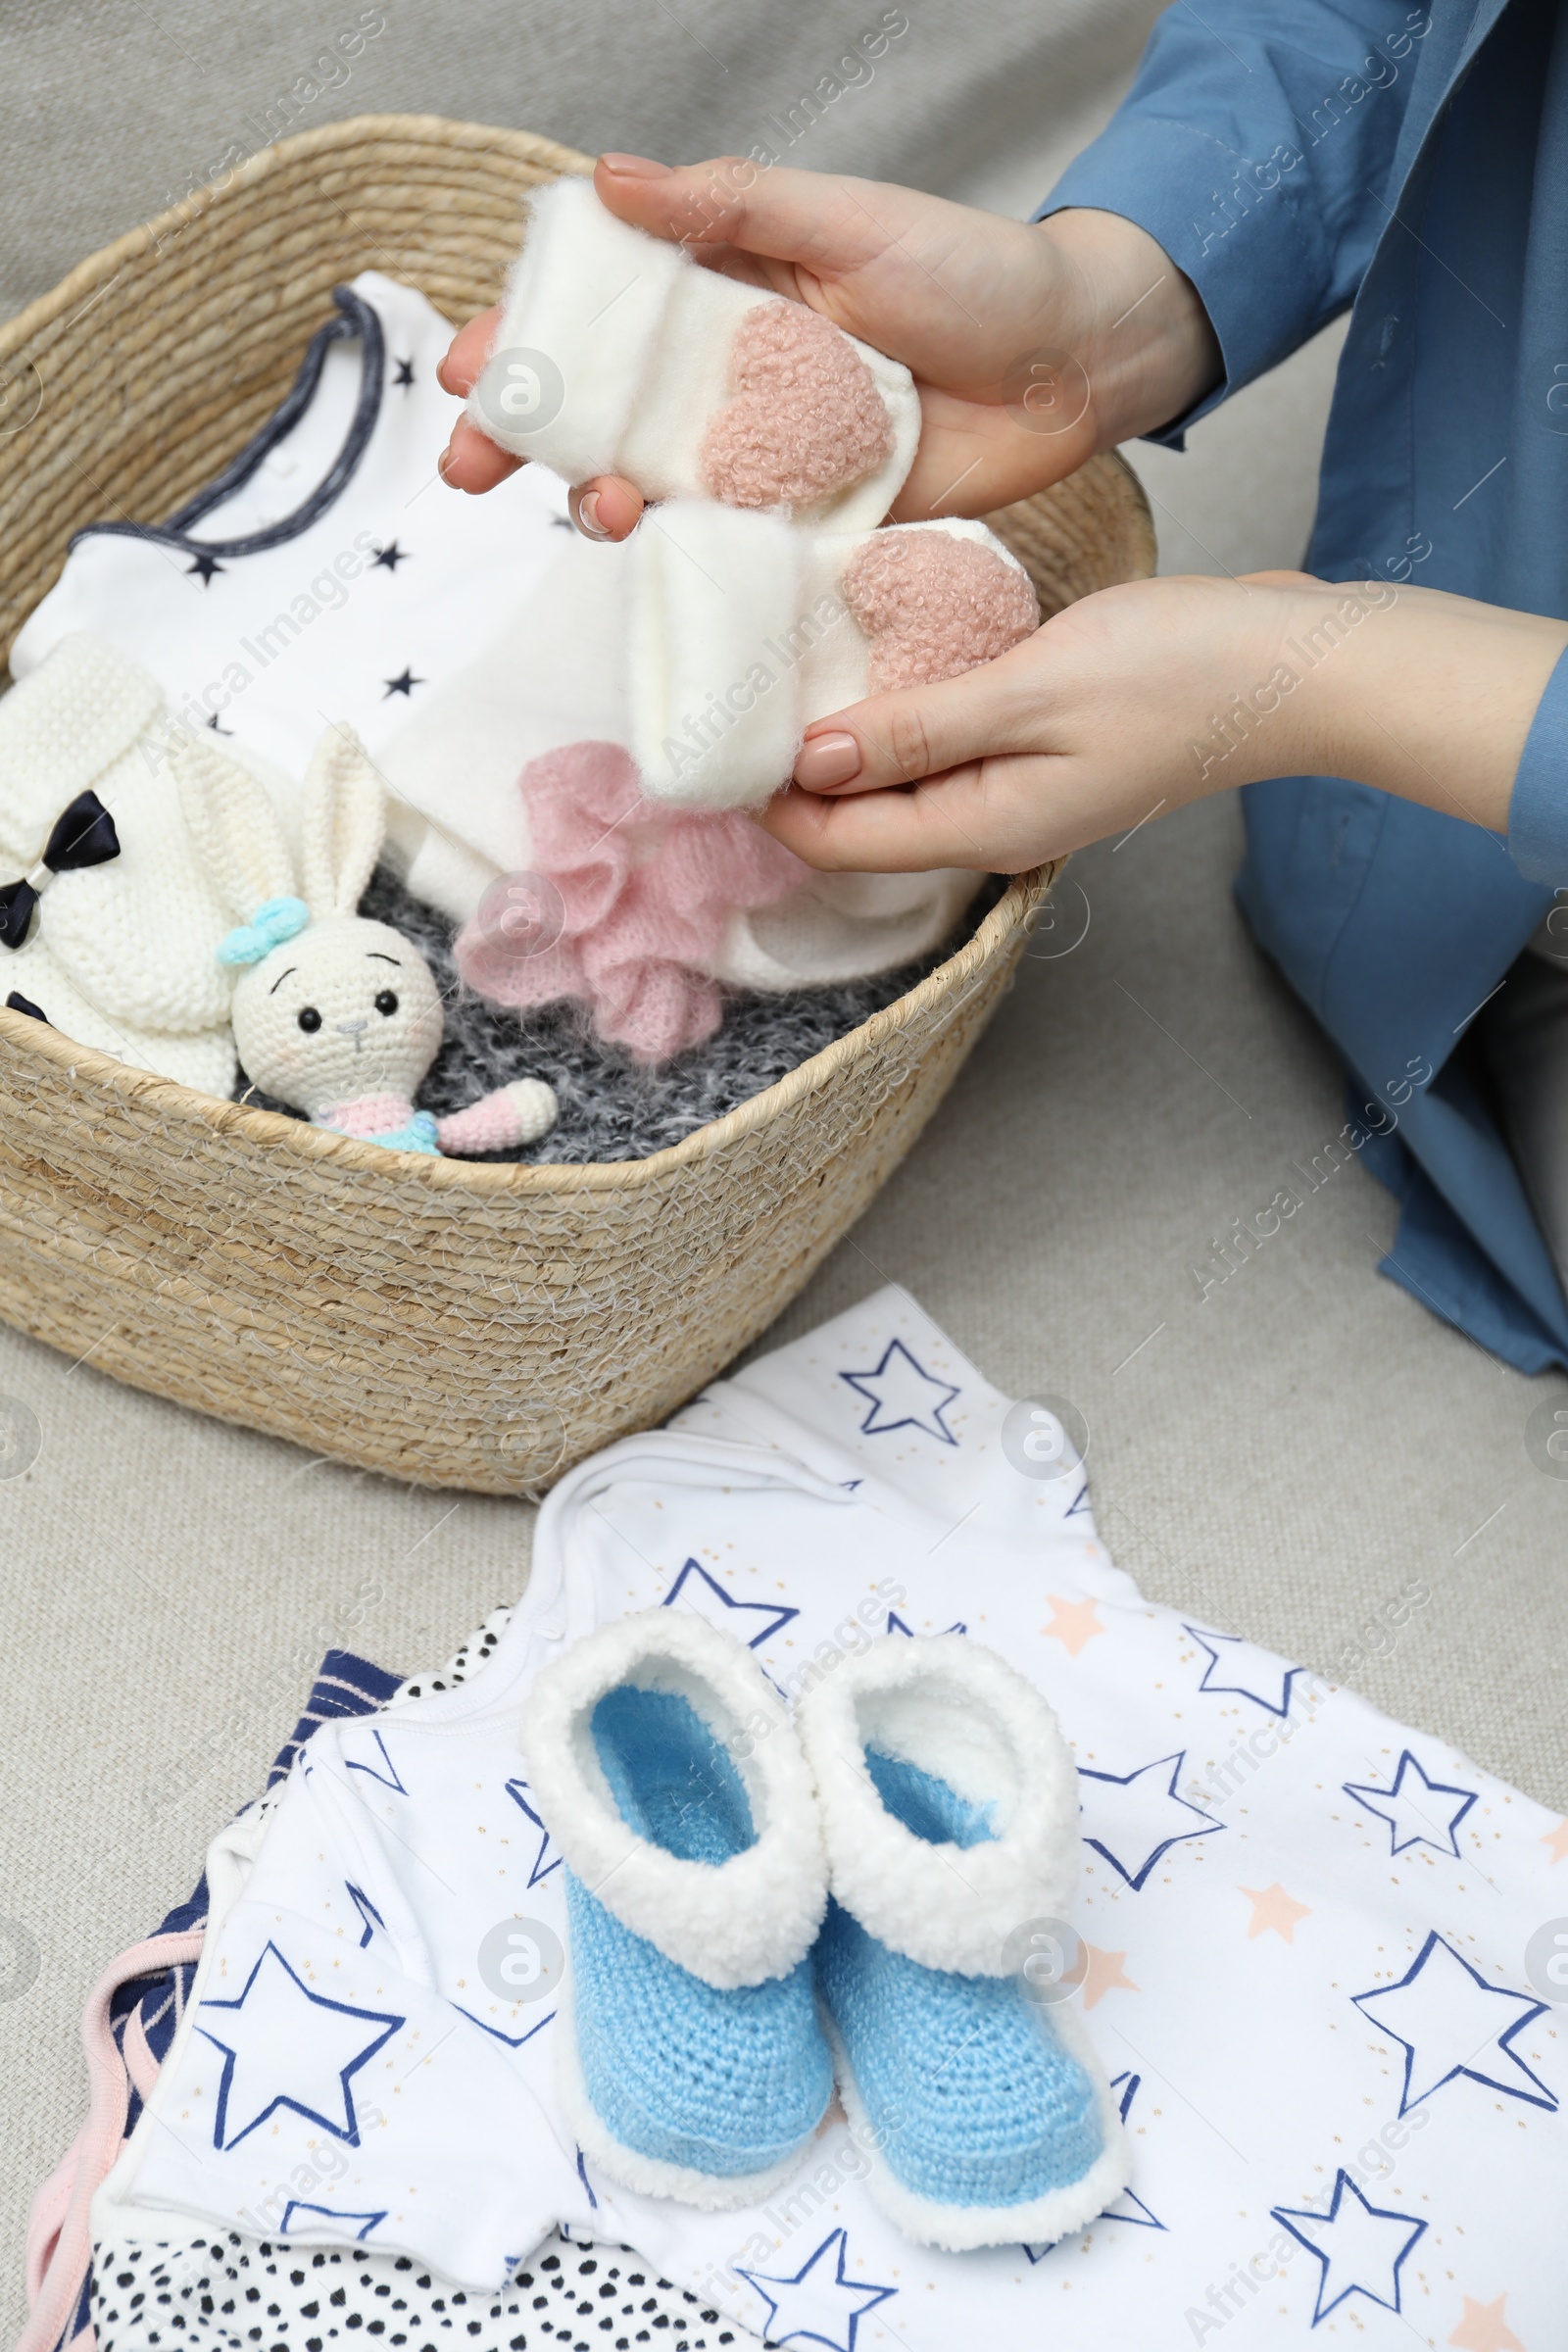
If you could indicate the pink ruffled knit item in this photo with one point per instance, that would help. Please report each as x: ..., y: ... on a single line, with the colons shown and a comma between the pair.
x: 646, y: 890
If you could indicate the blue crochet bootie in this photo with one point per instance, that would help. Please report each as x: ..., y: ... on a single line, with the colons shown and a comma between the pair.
x: 692, y: 2062
x: 950, y: 1810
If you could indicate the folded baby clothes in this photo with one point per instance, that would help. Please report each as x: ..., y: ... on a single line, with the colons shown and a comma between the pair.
x: 556, y: 676
x: 325, y: 574
x: 327, y: 570
x: 1299, y: 1937
x: 113, y: 932
x: 617, y: 354
x: 127, y: 2297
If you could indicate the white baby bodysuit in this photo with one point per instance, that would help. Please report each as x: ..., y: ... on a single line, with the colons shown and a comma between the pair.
x: 1311, y: 1941
x: 329, y: 576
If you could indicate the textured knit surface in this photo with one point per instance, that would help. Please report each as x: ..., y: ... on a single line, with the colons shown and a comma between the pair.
x: 1283, y: 1458
x: 721, y: 2083
x: 805, y: 419
x: 669, y: 1777
x: 926, y: 1804
x: 973, y: 2099
x: 640, y: 897
x: 613, y: 1108
x: 935, y: 606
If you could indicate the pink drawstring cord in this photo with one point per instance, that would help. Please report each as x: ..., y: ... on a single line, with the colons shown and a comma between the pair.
x: 58, y: 2226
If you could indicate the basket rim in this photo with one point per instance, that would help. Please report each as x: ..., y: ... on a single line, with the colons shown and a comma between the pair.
x: 145, y: 1092
x: 526, y: 146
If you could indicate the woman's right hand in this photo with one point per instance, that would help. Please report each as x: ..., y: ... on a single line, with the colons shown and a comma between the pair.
x: 1031, y: 347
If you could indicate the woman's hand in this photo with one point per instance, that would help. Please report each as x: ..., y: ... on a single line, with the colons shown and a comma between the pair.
x: 1031, y: 347
x: 1143, y: 697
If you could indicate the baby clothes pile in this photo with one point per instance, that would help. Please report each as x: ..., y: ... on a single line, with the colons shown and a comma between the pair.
x: 586, y: 719
x: 1310, y: 1949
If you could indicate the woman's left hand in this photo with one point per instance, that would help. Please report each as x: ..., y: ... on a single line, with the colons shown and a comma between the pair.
x: 1143, y: 697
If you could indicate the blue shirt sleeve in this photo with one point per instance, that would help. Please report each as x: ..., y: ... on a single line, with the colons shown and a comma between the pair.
x: 1538, y: 813
x: 1255, y: 147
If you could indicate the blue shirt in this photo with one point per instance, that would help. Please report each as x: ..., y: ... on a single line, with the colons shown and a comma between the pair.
x: 1296, y: 158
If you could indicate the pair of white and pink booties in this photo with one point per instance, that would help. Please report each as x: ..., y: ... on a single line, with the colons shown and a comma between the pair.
x: 761, y: 593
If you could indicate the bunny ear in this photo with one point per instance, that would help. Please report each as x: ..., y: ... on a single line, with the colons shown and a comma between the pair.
x: 345, y: 815
x: 233, y: 825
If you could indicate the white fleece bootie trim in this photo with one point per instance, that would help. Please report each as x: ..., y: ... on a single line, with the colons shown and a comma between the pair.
x: 953, y: 1709
x: 739, y: 1922
x: 618, y: 354
x: 743, y: 629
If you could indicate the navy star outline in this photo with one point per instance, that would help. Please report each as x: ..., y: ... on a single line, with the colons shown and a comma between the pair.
x: 776, y: 1612
x: 404, y: 379
x: 1143, y: 2217
x: 871, y: 1427
x: 330, y: 2213
x: 1079, y: 1502
x: 1124, y: 1779
x: 389, y: 558
x: 895, y: 1625
x: 367, y: 1910
x: 204, y: 568
x: 1289, y: 2214
x: 1365, y: 1794
x: 381, y: 2017
x: 541, y: 1869
x: 763, y: 2280
x: 582, y: 2174
x: 389, y: 1779
x: 1215, y: 1689
x: 404, y: 683
x: 514, y: 2041
x: 1500, y: 2041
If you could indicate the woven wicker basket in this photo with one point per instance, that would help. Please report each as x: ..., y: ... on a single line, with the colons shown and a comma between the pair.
x: 479, y: 1327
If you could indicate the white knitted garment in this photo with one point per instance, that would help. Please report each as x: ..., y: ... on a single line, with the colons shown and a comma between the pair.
x: 122, y: 956
x: 742, y: 628
x: 618, y: 354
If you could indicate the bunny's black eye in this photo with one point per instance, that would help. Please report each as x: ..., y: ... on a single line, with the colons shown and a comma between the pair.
x: 310, y: 1019
x: 386, y: 1003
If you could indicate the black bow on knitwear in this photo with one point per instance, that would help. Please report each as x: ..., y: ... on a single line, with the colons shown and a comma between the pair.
x: 81, y: 835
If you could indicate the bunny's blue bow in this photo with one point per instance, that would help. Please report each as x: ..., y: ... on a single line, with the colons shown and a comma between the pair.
x: 274, y: 921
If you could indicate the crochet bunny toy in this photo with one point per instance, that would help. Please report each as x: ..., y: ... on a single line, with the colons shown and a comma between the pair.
x: 334, y: 1014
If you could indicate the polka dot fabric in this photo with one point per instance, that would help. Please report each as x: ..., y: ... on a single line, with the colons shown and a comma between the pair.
x: 256, y: 2295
